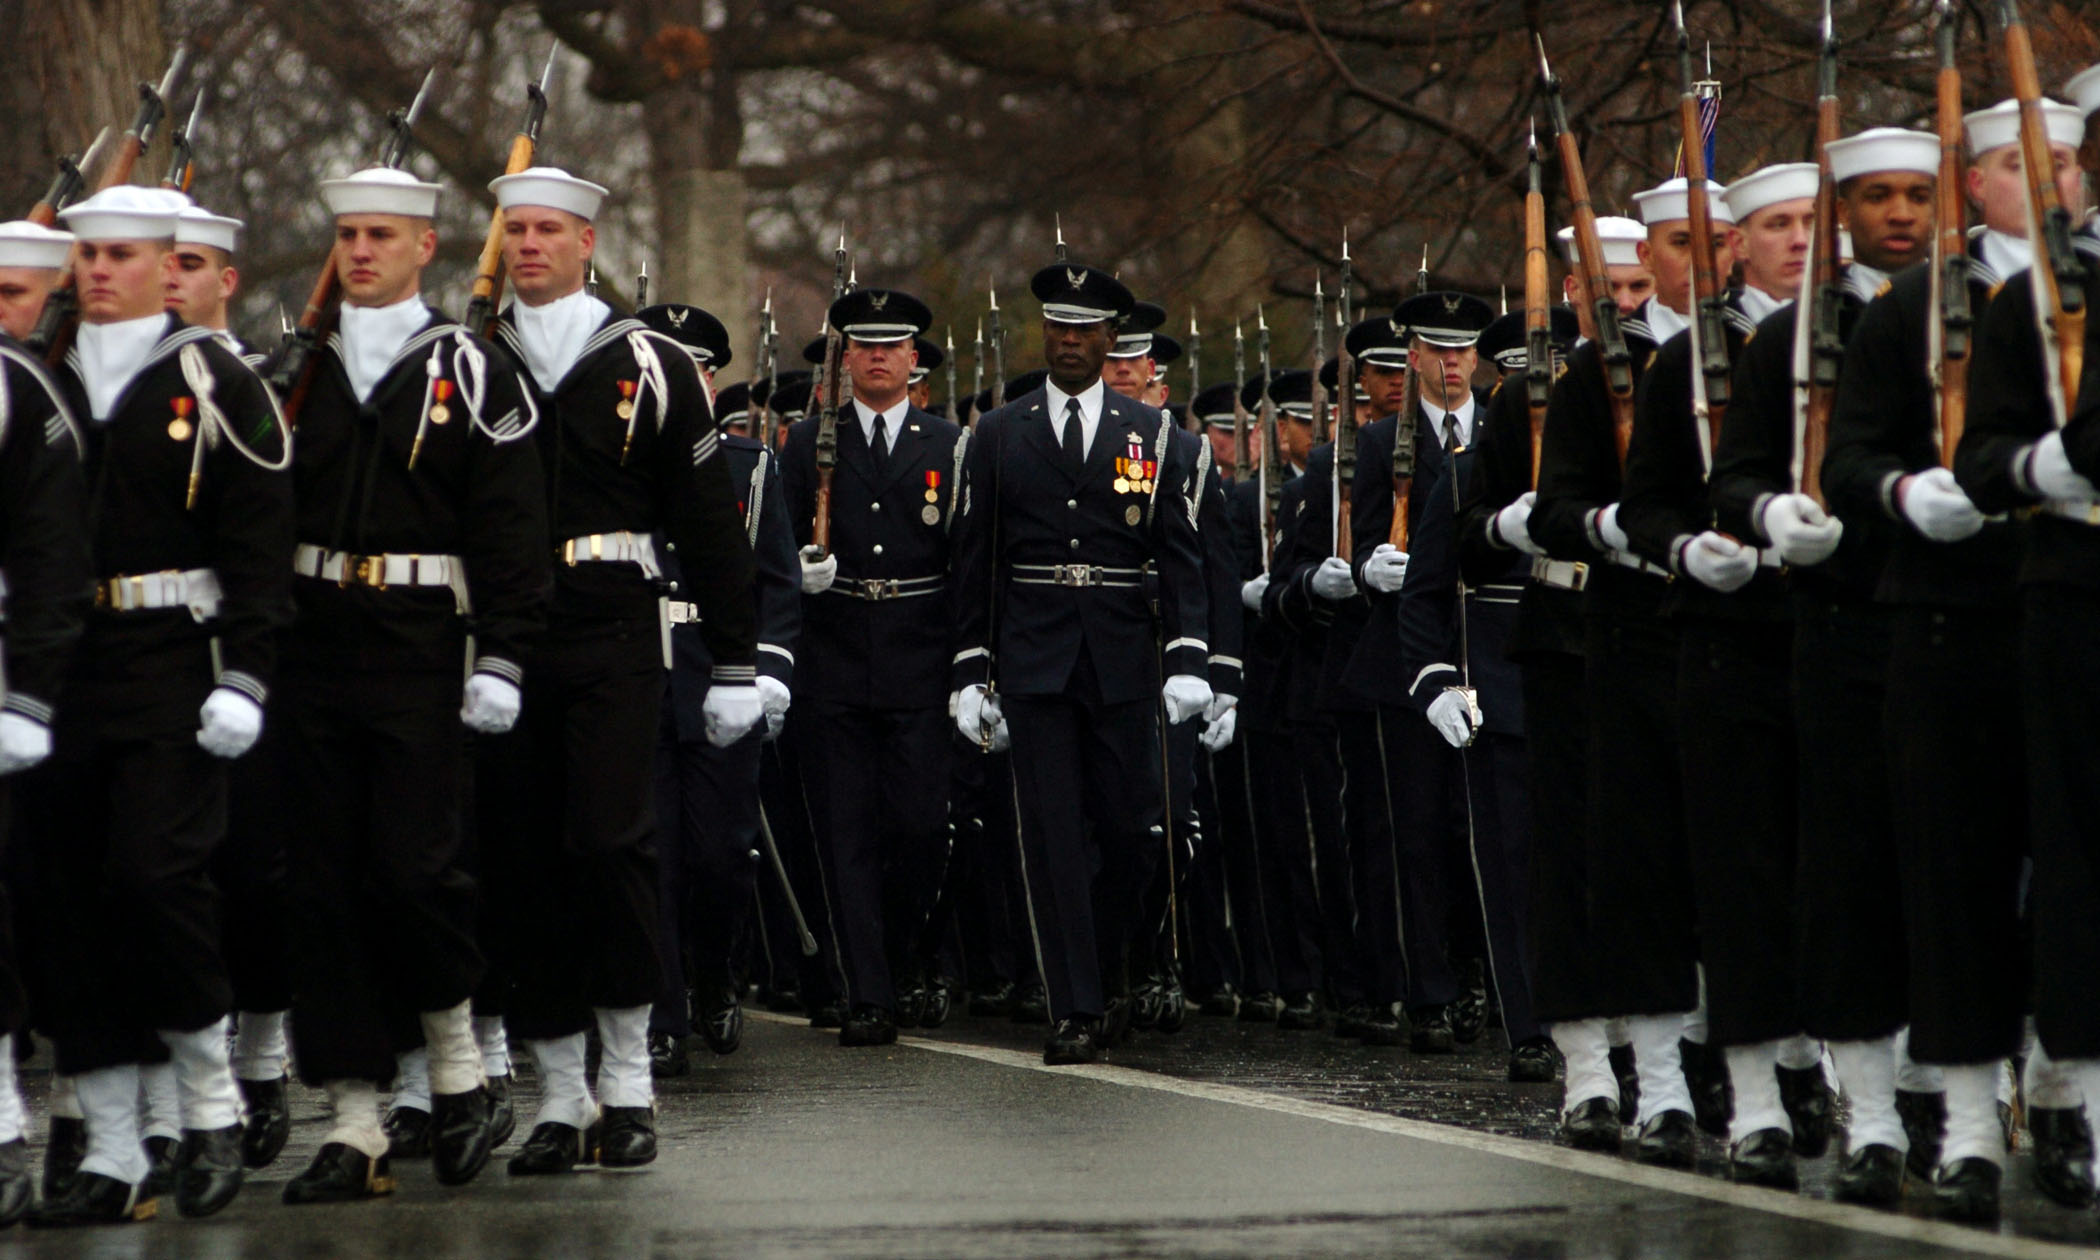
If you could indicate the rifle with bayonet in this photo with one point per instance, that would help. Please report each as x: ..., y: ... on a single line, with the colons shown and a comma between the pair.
x: 182, y: 149
x: 1949, y: 352
x: 1819, y: 348
x: 977, y: 373
x: 768, y: 429
x: 1271, y: 445
x: 1538, y: 317
x: 1599, y: 312
x: 998, y: 352
x: 1195, y: 372
x: 2059, y: 285
x: 828, y: 416
x: 292, y: 375
x: 641, y: 287
x: 67, y: 184
x: 1242, y: 457
x: 1344, y: 405
x: 1709, y: 340
x: 488, y: 272
x: 1061, y: 252
x: 55, y: 325
x: 1319, y: 362
x: 1404, y: 427
x: 949, y: 362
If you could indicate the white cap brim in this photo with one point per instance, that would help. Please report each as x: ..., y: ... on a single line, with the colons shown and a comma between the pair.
x: 2084, y: 90
x: 551, y: 187
x: 1670, y: 201
x: 1065, y: 313
x: 1787, y: 181
x: 125, y: 213
x: 1998, y: 126
x: 32, y: 245
x: 380, y: 190
x: 198, y: 226
x: 1879, y: 149
x: 1620, y: 239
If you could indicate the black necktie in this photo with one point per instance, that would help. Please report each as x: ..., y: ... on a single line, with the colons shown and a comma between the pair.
x: 878, y: 445
x: 1075, y: 441
x: 1450, y: 432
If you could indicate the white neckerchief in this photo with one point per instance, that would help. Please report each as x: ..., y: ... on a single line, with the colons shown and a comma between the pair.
x: 1090, y: 400
x: 892, y: 421
x: 553, y: 334
x: 2005, y: 253
x: 1464, y: 413
x: 1757, y: 303
x: 111, y: 354
x: 1663, y: 320
x: 373, y: 335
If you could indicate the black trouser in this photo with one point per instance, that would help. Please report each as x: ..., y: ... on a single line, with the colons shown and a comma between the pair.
x: 1366, y: 883
x: 1958, y: 776
x: 2060, y: 675
x: 707, y: 855
x: 1563, y: 981
x: 1429, y: 830
x: 250, y: 869
x: 784, y: 802
x: 14, y: 997
x: 1086, y: 779
x: 1849, y: 918
x: 1640, y: 885
x: 123, y: 828
x: 1213, y: 954
x: 1297, y: 796
x: 877, y: 781
x: 1167, y: 903
x: 382, y: 905
x: 1740, y: 813
x: 984, y: 870
x: 568, y: 824
x: 1494, y: 769
x: 1238, y: 848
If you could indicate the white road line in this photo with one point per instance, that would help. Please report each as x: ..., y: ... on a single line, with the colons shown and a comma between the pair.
x: 1776, y: 1202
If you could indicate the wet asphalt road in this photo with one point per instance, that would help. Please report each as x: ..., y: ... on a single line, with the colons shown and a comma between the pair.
x: 1226, y: 1140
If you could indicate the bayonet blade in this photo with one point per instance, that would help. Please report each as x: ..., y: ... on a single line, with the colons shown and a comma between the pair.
x: 415, y: 107
x: 94, y: 153
x: 173, y: 76
x: 189, y: 129
x: 547, y: 73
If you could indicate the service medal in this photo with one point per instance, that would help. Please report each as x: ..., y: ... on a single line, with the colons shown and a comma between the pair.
x: 625, y: 409
x: 1131, y: 514
x: 180, y: 428
x: 930, y: 514
x: 1122, y: 486
x: 441, y: 391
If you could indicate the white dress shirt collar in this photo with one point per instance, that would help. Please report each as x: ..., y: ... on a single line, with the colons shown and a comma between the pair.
x: 1664, y: 322
x: 373, y: 335
x: 552, y: 335
x: 2007, y: 255
x: 1463, y: 412
x: 892, y: 422
x: 112, y: 354
x: 1757, y: 303
x: 1090, y: 402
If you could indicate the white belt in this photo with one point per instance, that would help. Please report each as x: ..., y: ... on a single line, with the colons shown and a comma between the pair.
x: 1564, y: 575
x: 2079, y: 510
x: 1076, y: 575
x: 888, y: 588
x: 619, y: 547
x: 378, y: 572
x: 1628, y: 560
x: 194, y: 589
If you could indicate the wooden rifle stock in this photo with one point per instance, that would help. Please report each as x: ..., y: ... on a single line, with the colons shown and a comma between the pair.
x: 1826, y: 345
x: 1950, y: 264
x: 1538, y: 320
x: 2058, y: 277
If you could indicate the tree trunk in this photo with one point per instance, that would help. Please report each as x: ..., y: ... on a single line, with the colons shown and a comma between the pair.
x: 78, y: 64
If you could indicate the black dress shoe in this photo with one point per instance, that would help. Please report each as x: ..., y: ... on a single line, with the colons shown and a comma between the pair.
x: 340, y: 1174
x: 1469, y: 1014
x: 781, y: 1001
x: 993, y: 1000
x: 1349, y: 1020
x: 161, y: 1157
x: 1668, y: 1140
x: 869, y: 1026
x: 1629, y: 1077
x: 1924, y: 1119
x: 1967, y: 1191
x: 208, y: 1172
x: 940, y: 1001
x: 1381, y: 1026
x: 1765, y: 1158
x: 552, y: 1147
x: 1809, y: 1103
x: 667, y: 1056
x: 1222, y: 1002
x: 2063, y: 1154
x: 828, y: 1015
x: 407, y: 1133
x: 93, y: 1199
x: 1173, y: 1002
x: 503, y: 1111
x: 17, y: 1182
x: 1144, y: 1002
x: 721, y: 1019
x: 1430, y: 1030
x: 63, y: 1150
x: 1074, y: 1040
x: 1534, y: 1061
x: 911, y: 1001
x: 269, y: 1121
x: 1261, y: 1008
x: 1031, y: 1004
x: 1592, y: 1125
x: 462, y: 1133
x: 627, y: 1137
x: 1300, y: 1013
x: 1713, y: 1094
x: 1871, y: 1175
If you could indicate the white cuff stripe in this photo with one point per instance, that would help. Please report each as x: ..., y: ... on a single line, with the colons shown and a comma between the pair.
x: 1197, y: 644
x: 498, y: 667
x: 247, y: 684
x: 28, y: 706
x: 777, y: 650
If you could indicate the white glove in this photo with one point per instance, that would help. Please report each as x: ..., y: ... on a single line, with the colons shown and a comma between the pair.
x: 1719, y: 562
x: 1186, y: 696
x: 1607, y: 525
x: 24, y: 741
x: 229, y: 723
x: 2049, y: 471
x: 1803, y: 532
x: 1513, y: 523
x: 731, y: 710
x: 1252, y: 591
x: 1452, y: 718
x: 773, y: 696
x: 1332, y: 580
x: 1218, y: 732
x: 819, y: 570
x: 1386, y: 569
x: 977, y: 714
x: 492, y: 704
x: 1932, y: 501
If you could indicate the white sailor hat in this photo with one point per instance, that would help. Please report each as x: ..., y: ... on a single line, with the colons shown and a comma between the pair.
x: 1670, y: 201
x: 2084, y: 90
x: 198, y: 226
x: 1134, y: 337
x: 1447, y: 319
x: 380, y: 190
x: 1075, y: 294
x: 1998, y: 126
x: 1620, y: 238
x: 125, y: 213
x: 879, y: 316
x: 1770, y: 185
x: 26, y: 244
x: 1884, y: 149
x: 549, y: 186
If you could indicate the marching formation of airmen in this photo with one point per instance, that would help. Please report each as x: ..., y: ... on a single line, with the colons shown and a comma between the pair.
x: 455, y: 682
